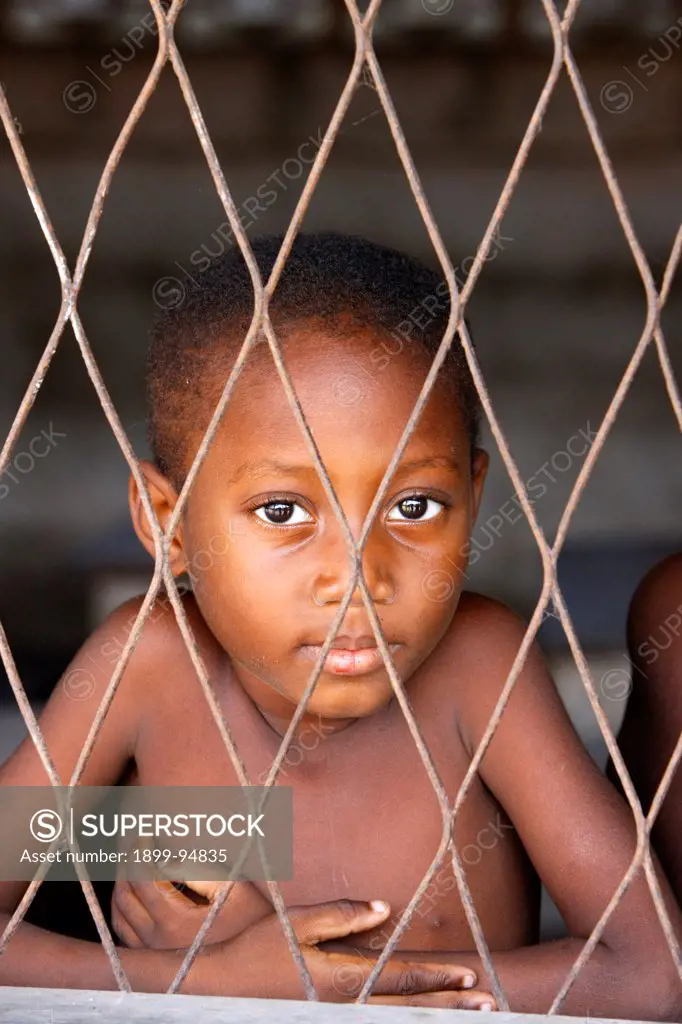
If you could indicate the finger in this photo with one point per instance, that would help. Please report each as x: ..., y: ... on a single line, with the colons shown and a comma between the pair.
x: 398, y: 977
x: 161, y: 896
x: 124, y: 930
x: 429, y: 977
x: 207, y: 890
x: 326, y: 921
x: 404, y: 978
x: 446, y: 1000
x: 128, y: 903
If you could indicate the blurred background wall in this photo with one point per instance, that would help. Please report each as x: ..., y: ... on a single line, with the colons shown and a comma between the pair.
x: 556, y: 315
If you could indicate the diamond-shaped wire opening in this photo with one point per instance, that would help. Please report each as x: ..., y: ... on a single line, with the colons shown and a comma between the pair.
x: 364, y: 63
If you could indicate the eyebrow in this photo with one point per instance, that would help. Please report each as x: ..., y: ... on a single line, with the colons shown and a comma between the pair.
x: 294, y: 469
x: 269, y: 466
x: 430, y: 462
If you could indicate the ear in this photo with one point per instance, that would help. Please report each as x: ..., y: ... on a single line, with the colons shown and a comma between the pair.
x: 479, y: 470
x: 164, y: 498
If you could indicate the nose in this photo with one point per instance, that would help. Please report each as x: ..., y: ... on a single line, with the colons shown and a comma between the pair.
x: 334, y: 572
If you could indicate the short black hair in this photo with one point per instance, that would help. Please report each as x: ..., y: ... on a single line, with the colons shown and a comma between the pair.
x: 327, y: 276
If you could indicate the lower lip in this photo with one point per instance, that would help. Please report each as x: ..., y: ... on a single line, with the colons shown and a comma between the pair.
x: 350, y: 663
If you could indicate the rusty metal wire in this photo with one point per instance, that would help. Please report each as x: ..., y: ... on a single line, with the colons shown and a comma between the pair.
x: 365, y: 61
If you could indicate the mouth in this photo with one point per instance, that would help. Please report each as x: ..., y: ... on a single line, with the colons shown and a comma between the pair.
x: 349, y: 656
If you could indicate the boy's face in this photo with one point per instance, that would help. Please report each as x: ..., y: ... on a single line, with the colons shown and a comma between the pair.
x: 267, y: 556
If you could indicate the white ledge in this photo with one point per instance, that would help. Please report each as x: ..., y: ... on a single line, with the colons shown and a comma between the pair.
x: 69, y: 1006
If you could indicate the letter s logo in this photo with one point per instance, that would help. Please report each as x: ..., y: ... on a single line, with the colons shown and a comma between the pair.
x: 45, y: 825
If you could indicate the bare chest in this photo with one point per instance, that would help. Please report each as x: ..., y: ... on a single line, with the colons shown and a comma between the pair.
x: 367, y: 822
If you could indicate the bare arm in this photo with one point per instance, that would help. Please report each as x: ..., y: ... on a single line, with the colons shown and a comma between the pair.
x: 579, y: 834
x: 35, y: 956
x: 256, y: 964
x: 653, y: 719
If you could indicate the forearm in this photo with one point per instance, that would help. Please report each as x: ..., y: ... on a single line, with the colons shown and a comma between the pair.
x: 38, y: 958
x: 609, y: 985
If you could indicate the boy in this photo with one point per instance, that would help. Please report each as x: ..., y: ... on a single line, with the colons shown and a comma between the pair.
x: 653, y: 719
x: 367, y: 820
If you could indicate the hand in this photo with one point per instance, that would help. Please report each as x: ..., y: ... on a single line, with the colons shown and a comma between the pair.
x: 156, y: 915
x: 457, y: 999
x: 441, y: 1000
x: 258, y: 963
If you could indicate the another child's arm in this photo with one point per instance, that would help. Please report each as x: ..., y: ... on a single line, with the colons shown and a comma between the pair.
x: 579, y: 834
x: 653, y: 719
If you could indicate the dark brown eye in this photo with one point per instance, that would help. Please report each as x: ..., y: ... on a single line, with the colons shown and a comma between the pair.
x: 413, y: 508
x: 417, y: 508
x: 279, y: 511
x: 283, y: 513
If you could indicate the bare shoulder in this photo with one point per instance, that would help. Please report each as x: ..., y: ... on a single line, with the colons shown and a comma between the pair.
x: 482, y: 646
x: 485, y: 631
x: 655, y: 646
x: 658, y: 596
x: 158, y: 659
x: 488, y: 637
x: 83, y: 709
x: 155, y: 644
x: 159, y: 643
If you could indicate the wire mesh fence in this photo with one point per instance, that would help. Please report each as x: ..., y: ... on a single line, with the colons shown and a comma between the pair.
x: 365, y: 68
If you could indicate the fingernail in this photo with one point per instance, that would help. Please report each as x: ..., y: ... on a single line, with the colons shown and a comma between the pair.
x: 379, y: 905
x: 468, y: 981
x: 486, y: 1007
